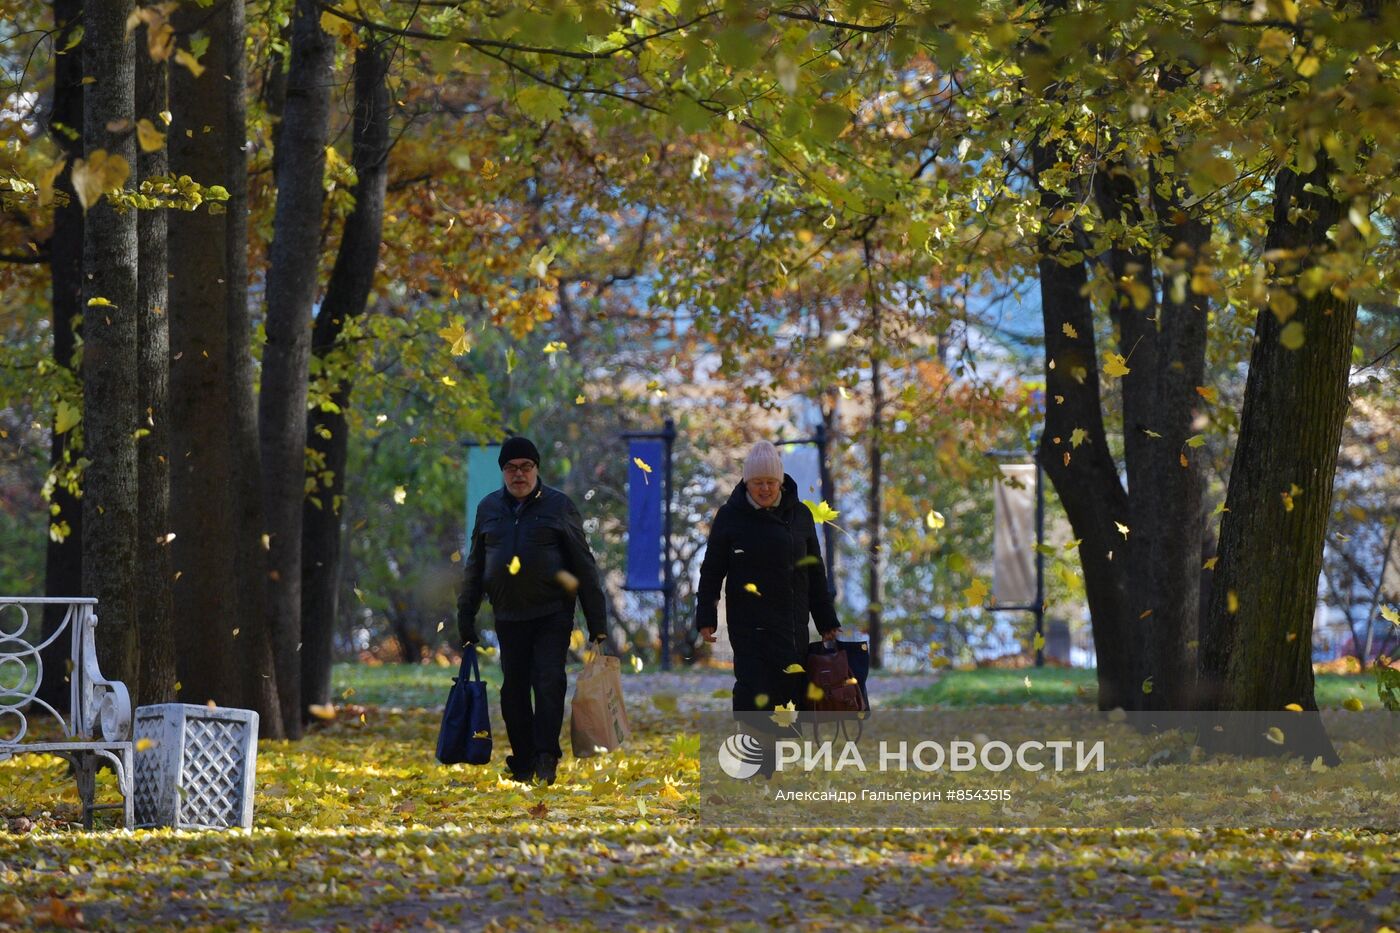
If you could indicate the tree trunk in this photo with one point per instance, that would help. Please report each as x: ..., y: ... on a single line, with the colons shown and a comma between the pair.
x: 291, y: 291
x: 1164, y: 340
x: 1139, y: 340
x: 215, y: 500
x: 63, y: 564
x: 327, y: 434
x: 155, y: 604
x: 1168, y: 498
x: 1258, y: 654
x: 260, y: 682
x: 109, y: 346
x: 201, y: 450
x: 1084, y: 477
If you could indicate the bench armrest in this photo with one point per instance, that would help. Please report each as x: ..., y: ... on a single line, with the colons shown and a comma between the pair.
x: 104, y: 705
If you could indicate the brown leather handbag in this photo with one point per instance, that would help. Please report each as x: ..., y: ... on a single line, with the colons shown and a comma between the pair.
x: 832, y: 687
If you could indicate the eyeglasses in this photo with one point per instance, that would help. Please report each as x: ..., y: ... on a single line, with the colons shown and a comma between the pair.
x: 523, y: 469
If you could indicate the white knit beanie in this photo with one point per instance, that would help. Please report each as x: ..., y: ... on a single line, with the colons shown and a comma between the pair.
x: 763, y: 461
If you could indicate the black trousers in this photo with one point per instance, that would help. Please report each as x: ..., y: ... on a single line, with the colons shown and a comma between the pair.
x: 532, y: 661
x: 761, y: 658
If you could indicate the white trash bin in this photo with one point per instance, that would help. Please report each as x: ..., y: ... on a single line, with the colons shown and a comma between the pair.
x: 195, y: 766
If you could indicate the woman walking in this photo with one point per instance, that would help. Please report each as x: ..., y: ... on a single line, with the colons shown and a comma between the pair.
x: 763, y: 553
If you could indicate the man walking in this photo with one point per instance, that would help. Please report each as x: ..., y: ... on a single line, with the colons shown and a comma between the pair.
x: 529, y: 555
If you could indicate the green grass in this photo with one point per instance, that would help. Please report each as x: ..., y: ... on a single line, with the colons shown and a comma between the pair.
x: 415, y: 686
x: 1078, y: 686
x: 408, y: 686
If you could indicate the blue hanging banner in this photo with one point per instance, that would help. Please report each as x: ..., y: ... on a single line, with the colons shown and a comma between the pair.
x: 483, y: 478
x: 645, y: 485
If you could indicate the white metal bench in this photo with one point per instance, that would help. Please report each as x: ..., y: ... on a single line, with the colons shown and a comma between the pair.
x: 98, y: 724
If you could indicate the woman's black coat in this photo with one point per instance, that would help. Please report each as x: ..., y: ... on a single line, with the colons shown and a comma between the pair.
x: 771, y: 568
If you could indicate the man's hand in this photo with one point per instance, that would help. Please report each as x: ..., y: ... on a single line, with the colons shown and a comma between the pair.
x: 708, y: 634
x: 830, y: 635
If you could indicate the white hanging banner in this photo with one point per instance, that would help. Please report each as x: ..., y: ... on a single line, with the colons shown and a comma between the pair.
x: 1013, y: 580
x: 803, y: 463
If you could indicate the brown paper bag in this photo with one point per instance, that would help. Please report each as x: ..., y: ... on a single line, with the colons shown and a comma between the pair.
x: 598, y: 722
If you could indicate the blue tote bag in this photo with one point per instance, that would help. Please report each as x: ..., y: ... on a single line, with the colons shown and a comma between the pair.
x: 465, y: 737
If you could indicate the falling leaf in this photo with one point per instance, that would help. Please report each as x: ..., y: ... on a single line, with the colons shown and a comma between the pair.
x: 46, y: 180
x: 567, y: 580
x: 97, y: 175
x: 1353, y: 704
x: 794, y: 669
x: 148, y: 137
x: 1210, y: 394
x: 145, y: 744
x: 1292, y: 335
x: 514, y: 565
x: 785, y: 715
x: 821, y: 512
x: 322, y: 711
x: 1122, y: 528
x: 1069, y: 331
x: 579, y: 399
x: 1038, y: 643
x: 66, y: 417
x: 577, y: 640
x: 1147, y: 685
x: 1232, y: 602
x: 1027, y: 681
x: 636, y: 664
x: 975, y: 594
x: 400, y: 495
x: 844, y: 393
x: 1077, y: 437
x: 539, y: 263
x: 1152, y: 434
x: 934, y: 520
x: 1390, y: 614
x: 644, y: 467
x: 1196, y: 440
x: 814, y: 693
x: 556, y: 346
x: 1115, y: 366
x: 539, y: 811
x: 459, y: 342
x: 752, y: 588
x: 1293, y: 708
x: 1275, y: 735
x: 183, y: 57
x: 1210, y: 563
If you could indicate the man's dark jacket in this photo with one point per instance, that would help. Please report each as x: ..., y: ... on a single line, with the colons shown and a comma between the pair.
x: 771, y: 568
x: 546, y: 533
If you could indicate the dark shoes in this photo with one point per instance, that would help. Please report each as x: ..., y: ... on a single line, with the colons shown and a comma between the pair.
x: 546, y: 767
x: 519, y: 770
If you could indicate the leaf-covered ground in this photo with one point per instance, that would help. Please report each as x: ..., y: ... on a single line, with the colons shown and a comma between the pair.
x: 358, y: 827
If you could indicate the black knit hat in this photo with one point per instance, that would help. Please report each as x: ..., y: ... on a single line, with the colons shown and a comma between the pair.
x: 516, y: 448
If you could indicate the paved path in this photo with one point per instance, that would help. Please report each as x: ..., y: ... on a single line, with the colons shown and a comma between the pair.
x: 696, y: 689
